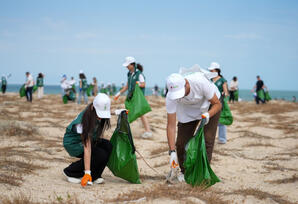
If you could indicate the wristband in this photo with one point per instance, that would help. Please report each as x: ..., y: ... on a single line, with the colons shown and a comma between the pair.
x: 88, y: 172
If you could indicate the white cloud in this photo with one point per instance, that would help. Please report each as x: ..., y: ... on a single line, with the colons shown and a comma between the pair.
x: 244, y: 36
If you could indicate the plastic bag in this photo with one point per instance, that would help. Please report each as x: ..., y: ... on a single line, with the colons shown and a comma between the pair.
x: 89, y: 90
x: 226, y: 117
x: 137, y: 105
x: 261, y: 94
x: 122, y: 161
x: 236, y: 95
x: 34, y: 88
x: 267, y: 96
x: 22, y: 91
x: 197, y: 169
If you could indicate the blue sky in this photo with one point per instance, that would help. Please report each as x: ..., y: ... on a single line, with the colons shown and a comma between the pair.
x: 247, y: 38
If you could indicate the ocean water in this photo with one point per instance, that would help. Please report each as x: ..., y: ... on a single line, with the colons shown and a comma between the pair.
x: 244, y: 94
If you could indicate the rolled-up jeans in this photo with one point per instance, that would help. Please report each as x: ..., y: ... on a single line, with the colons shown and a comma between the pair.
x: 84, y: 93
x: 222, y: 133
x: 186, y: 132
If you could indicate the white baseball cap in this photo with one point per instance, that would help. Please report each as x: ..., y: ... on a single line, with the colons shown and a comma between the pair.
x: 214, y: 65
x: 175, y: 85
x: 81, y: 72
x: 128, y: 61
x: 102, y: 105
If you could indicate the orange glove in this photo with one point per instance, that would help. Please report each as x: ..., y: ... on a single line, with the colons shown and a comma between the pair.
x: 117, y: 96
x: 87, y: 177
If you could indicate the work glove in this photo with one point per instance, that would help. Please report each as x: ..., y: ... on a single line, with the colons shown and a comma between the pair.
x: 174, y: 160
x: 117, y: 96
x: 206, y: 116
x: 87, y: 178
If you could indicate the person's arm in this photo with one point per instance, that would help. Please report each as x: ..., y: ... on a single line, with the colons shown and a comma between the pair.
x: 141, y: 81
x: 87, y: 155
x: 225, y: 89
x: 171, y: 130
x: 121, y: 91
x: 254, y: 88
x: 80, y: 84
x: 216, y: 106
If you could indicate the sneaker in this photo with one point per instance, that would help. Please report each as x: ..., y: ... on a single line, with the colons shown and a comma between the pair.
x: 99, y: 181
x: 72, y: 179
x: 221, y: 142
x: 180, y: 177
x: 147, y: 135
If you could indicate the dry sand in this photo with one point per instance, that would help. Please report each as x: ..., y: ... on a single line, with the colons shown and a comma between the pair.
x: 258, y: 164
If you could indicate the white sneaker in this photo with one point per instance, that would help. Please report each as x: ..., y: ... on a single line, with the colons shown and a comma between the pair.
x: 72, y: 179
x: 99, y: 181
x: 180, y: 177
x: 147, y: 135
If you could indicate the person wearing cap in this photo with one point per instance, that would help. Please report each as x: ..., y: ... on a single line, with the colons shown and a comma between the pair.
x: 221, y: 84
x: 84, y: 139
x: 190, y: 99
x: 135, y: 75
x: 83, y: 86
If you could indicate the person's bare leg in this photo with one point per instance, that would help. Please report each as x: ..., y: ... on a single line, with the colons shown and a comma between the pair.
x: 145, y: 123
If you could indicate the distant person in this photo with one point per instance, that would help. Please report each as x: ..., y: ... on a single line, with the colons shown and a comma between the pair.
x: 83, y: 88
x: 122, y: 86
x: 294, y: 99
x: 114, y: 89
x: 95, y: 87
x: 83, y: 139
x: 65, y: 85
x: 40, y: 84
x: 233, y: 88
x: 109, y: 89
x: 135, y: 75
x: 29, y: 86
x: 221, y: 84
x: 3, y: 83
x: 155, y: 90
x: 259, y: 90
x: 72, y: 83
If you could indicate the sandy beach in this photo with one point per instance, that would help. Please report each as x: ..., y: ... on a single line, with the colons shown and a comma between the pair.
x: 259, y: 163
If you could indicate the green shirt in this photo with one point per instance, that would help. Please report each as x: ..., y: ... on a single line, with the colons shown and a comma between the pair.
x: 132, y: 79
x: 84, y: 84
x: 72, y: 140
x: 39, y: 81
x: 3, y: 81
x: 219, y: 84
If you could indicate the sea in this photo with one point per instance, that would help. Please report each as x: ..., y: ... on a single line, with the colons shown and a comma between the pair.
x: 244, y: 94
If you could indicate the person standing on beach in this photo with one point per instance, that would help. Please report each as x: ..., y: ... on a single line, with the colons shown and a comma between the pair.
x: 3, y: 84
x: 190, y: 98
x: 135, y: 75
x: 29, y: 86
x: 221, y: 84
x: 72, y: 83
x: 83, y: 88
x: 39, y: 83
x: 83, y: 139
x: 233, y: 88
x: 95, y: 87
x: 259, y: 89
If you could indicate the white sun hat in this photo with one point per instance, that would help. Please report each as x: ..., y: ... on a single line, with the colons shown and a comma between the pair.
x: 81, y: 72
x: 102, y: 105
x: 128, y: 61
x: 175, y: 85
x: 214, y: 65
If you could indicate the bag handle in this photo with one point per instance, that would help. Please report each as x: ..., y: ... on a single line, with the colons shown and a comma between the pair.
x: 203, y: 121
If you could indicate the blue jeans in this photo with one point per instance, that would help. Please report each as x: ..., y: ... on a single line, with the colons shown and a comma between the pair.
x: 84, y: 93
x: 222, y: 133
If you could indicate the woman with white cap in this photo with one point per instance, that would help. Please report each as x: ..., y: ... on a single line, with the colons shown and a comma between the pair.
x: 221, y: 84
x: 135, y: 75
x: 190, y: 98
x: 84, y: 139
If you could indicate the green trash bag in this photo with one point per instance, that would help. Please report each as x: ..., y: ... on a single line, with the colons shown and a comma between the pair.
x: 89, y: 90
x: 122, y: 161
x: 65, y: 99
x: 22, y: 91
x: 267, y: 96
x: 226, y: 117
x: 236, y: 95
x: 34, y: 88
x: 137, y: 105
x: 103, y: 90
x: 72, y: 95
x: 261, y: 94
x: 197, y: 169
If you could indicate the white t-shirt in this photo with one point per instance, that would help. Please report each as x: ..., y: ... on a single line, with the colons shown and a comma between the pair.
x: 65, y: 84
x: 141, y: 78
x: 192, y: 106
x: 29, y: 81
x: 233, y: 85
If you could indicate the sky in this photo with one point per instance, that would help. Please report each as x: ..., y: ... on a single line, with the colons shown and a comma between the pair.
x: 247, y: 38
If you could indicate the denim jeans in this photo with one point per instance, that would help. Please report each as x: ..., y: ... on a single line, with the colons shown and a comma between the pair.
x: 222, y: 133
x: 84, y: 93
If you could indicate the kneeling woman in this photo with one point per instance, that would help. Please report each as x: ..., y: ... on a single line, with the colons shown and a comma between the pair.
x: 83, y: 139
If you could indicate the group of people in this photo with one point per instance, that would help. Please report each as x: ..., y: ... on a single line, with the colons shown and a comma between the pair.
x: 189, y: 99
x: 30, y: 86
